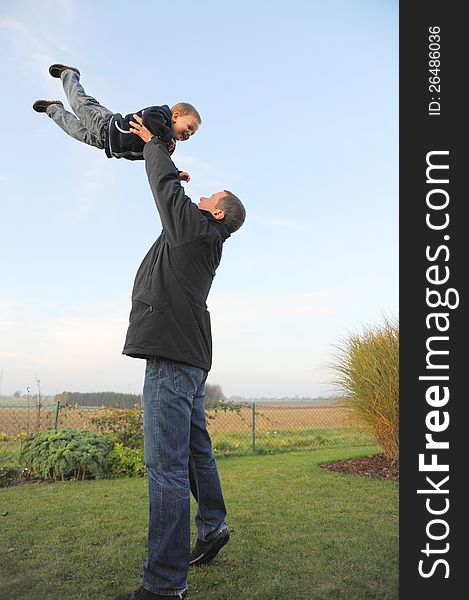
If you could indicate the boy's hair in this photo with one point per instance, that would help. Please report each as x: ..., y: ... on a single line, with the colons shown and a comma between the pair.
x: 186, y: 109
x: 235, y: 213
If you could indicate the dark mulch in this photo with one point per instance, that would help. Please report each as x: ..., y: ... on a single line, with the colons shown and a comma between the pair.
x: 377, y: 466
x: 10, y: 482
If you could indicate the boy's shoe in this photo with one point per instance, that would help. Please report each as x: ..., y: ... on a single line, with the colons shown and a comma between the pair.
x: 143, y: 594
x: 57, y: 69
x: 204, y: 552
x: 41, y: 105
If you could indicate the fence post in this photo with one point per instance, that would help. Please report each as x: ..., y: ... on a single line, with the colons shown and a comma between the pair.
x: 57, y: 409
x: 253, y: 427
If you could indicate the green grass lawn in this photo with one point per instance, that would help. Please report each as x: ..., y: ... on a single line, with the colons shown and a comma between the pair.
x: 298, y: 533
x: 285, y: 440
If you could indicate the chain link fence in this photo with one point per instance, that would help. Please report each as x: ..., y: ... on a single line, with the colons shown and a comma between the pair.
x: 235, y: 428
x: 266, y: 428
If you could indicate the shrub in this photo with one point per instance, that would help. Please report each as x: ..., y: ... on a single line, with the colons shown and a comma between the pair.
x: 225, y: 406
x: 127, y: 462
x: 123, y: 426
x: 9, y: 472
x: 8, y: 456
x: 368, y: 368
x: 126, y: 426
x: 67, y: 454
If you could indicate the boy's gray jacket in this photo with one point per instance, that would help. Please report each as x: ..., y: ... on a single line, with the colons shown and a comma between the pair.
x: 169, y: 316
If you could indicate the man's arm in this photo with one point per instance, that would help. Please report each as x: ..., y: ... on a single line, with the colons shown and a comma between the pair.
x: 181, y: 219
x: 139, y: 129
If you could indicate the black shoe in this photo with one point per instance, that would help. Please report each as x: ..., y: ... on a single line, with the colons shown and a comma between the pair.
x: 204, y: 552
x: 143, y: 594
x: 57, y: 69
x: 41, y: 105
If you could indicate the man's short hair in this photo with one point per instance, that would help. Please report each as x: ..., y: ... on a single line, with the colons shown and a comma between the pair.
x: 184, y: 108
x: 235, y: 213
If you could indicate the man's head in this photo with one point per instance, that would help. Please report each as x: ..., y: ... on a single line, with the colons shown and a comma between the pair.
x: 185, y: 120
x: 225, y: 206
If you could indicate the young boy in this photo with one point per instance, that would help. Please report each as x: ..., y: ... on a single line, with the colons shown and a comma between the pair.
x: 99, y: 127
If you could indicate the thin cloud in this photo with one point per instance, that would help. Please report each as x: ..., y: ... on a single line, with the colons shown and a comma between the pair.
x: 272, y: 344
x: 64, y: 344
x: 32, y: 47
x: 94, y: 179
x: 205, y: 175
x: 80, y: 346
x: 279, y: 223
x: 261, y: 307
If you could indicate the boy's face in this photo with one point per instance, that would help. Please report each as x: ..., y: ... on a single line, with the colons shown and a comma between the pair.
x: 183, y: 126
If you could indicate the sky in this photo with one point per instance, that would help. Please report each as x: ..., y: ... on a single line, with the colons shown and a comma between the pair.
x: 299, y: 107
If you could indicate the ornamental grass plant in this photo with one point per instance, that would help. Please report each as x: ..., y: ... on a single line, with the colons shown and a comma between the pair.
x: 367, y: 365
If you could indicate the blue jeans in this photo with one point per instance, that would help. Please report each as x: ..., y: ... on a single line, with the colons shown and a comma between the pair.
x: 178, y: 457
x: 92, y: 116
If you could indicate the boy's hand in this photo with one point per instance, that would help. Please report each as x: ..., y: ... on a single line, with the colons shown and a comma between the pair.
x: 139, y: 129
x: 184, y: 176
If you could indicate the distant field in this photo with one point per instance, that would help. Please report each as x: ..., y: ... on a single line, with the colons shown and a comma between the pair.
x: 283, y: 417
x: 267, y: 418
x: 22, y: 402
x: 23, y: 420
x: 277, y: 428
x: 15, y: 402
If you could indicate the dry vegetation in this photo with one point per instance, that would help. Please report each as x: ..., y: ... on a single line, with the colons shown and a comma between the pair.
x: 367, y: 369
x: 293, y: 417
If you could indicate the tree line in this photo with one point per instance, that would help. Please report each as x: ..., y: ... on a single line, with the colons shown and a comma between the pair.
x: 213, y: 395
x: 115, y: 399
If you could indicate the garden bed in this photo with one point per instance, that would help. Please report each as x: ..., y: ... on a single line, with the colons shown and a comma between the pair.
x: 377, y: 466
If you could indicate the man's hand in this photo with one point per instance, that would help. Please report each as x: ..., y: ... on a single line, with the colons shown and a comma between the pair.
x: 139, y: 129
x: 184, y: 176
x: 171, y: 145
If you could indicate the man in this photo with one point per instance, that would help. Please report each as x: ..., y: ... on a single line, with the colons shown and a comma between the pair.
x: 170, y: 328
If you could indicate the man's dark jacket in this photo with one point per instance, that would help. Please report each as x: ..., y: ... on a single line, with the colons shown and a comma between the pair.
x: 119, y: 142
x: 169, y: 316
